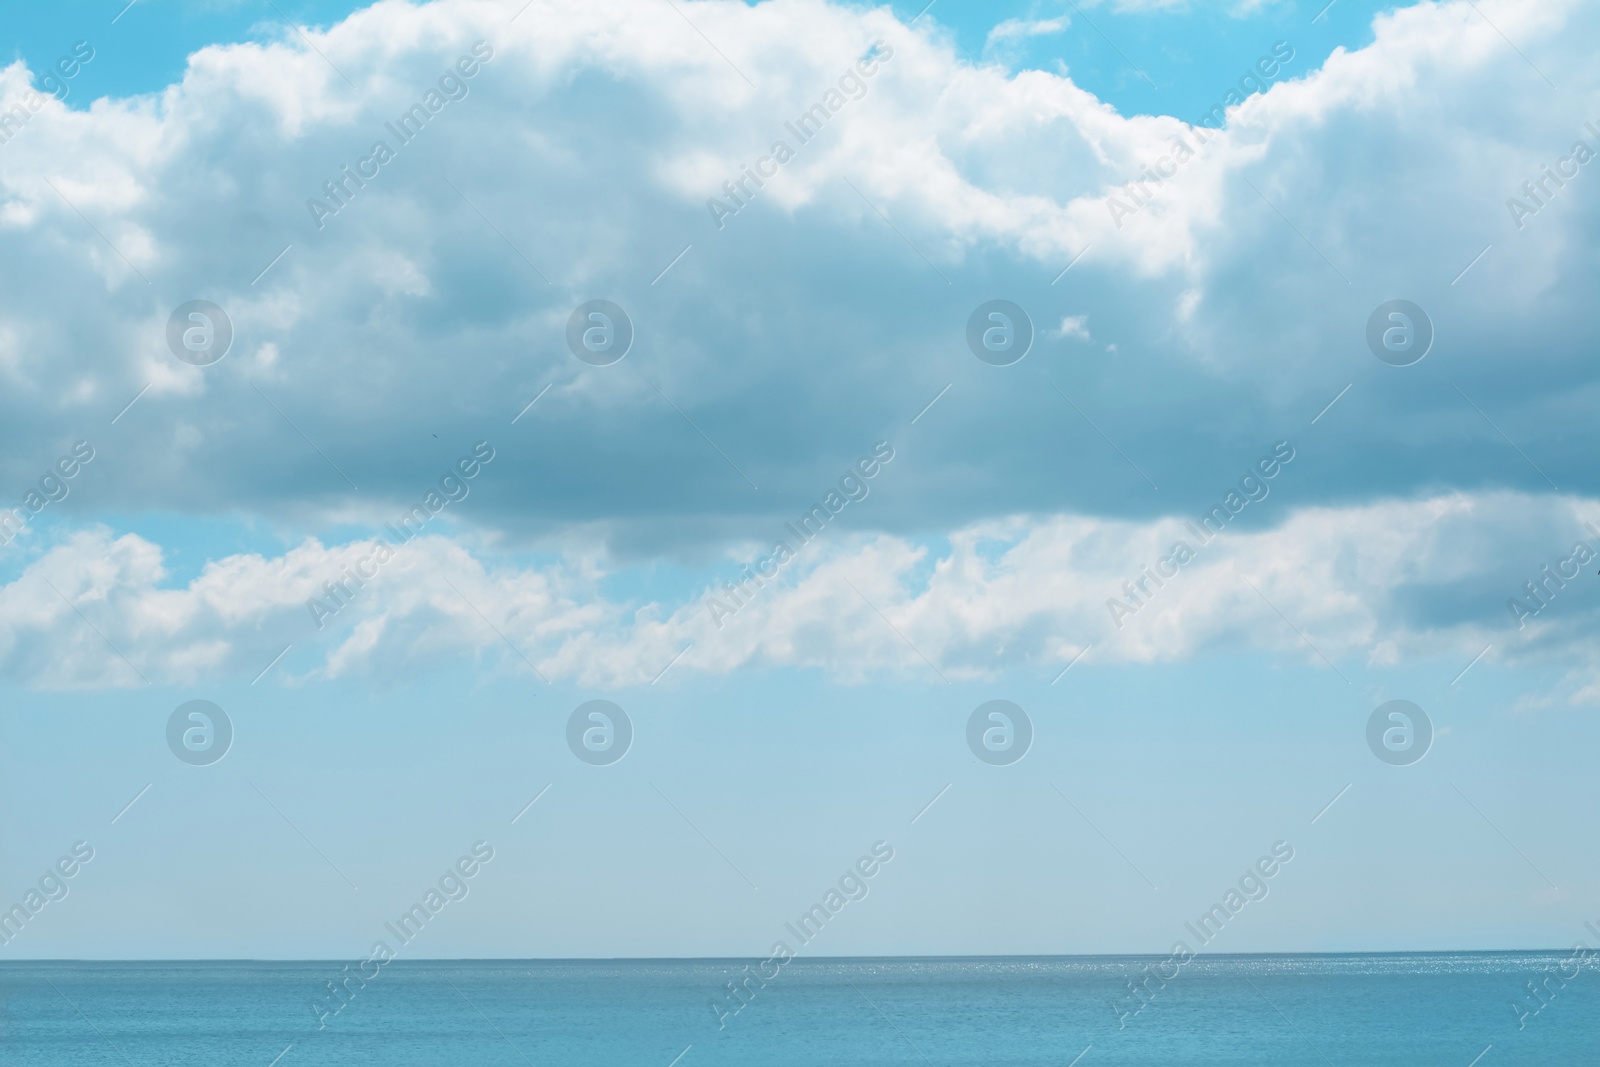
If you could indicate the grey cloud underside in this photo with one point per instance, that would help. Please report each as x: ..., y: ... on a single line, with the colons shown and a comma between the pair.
x: 805, y: 329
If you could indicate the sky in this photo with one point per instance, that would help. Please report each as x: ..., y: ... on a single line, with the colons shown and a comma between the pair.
x: 1297, y: 288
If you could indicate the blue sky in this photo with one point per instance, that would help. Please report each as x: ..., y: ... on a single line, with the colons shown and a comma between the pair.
x: 1188, y: 51
x: 1187, y: 332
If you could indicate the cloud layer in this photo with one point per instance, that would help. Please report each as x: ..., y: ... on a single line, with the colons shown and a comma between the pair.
x: 1369, y: 585
x: 577, y: 163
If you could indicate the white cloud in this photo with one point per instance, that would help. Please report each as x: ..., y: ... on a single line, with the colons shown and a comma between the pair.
x: 1009, y: 34
x: 585, y: 152
x: 1073, y: 326
x: 1013, y: 28
x: 1392, y: 162
x: 1364, y: 584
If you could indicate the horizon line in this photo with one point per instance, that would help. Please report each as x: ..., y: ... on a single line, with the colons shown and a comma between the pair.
x: 802, y: 959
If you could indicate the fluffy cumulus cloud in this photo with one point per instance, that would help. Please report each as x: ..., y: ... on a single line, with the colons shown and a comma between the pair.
x: 1370, y: 585
x: 400, y: 221
x: 578, y: 162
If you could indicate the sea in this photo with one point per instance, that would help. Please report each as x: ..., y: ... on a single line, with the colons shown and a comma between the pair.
x: 1485, y: 1009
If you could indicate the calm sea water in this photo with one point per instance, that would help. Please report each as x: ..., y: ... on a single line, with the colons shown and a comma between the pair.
x: 1321, y: 1011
